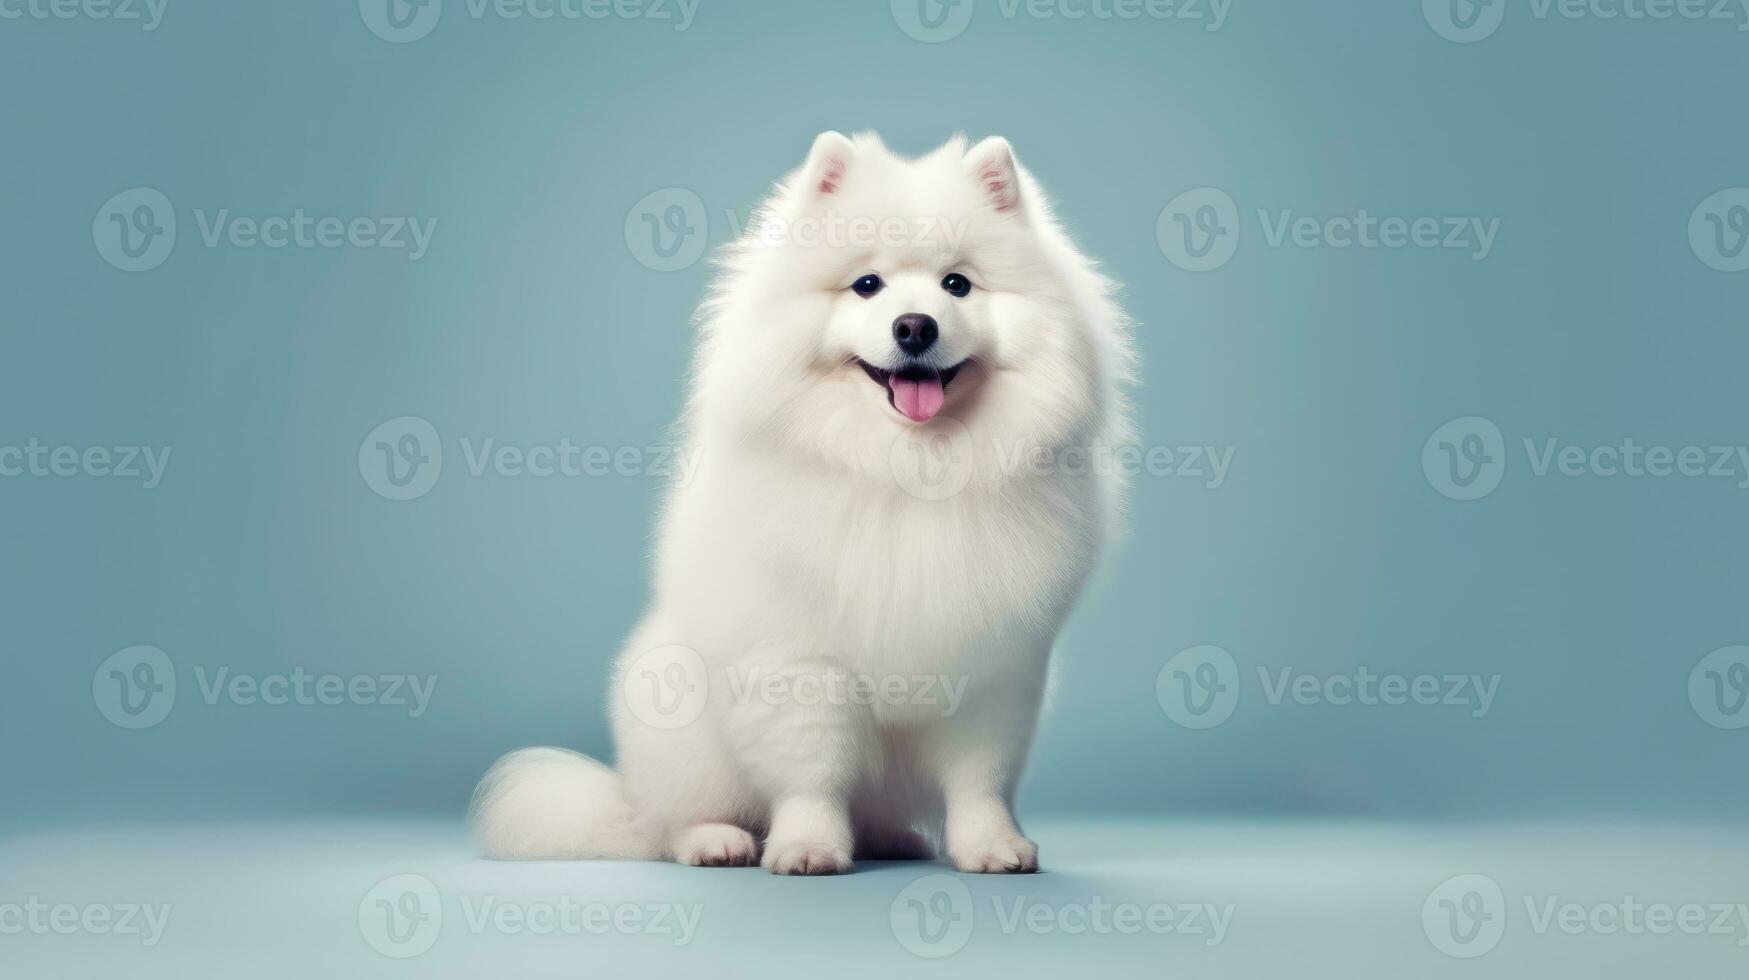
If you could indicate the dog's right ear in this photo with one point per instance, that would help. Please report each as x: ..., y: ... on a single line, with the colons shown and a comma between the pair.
x: 828, y: 163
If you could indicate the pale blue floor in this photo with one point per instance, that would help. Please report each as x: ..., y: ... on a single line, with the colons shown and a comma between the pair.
x: 1306, y: 899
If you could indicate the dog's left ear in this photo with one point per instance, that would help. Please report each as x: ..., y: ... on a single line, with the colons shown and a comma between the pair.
x: 828, y: 163
x: 992, y: 165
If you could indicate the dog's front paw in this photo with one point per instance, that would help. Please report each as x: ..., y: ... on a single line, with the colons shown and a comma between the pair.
x: 806, y: 859
x: 716, y: 845
x: 1004, y: 855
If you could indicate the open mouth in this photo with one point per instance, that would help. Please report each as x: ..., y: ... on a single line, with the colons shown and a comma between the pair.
x: 917, y: 392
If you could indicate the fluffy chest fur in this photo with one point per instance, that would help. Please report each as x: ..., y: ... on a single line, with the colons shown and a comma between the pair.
x: 869, y: 573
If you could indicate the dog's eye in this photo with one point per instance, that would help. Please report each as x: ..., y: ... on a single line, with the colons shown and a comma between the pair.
x: 867, y: 286
x: 957, y: 284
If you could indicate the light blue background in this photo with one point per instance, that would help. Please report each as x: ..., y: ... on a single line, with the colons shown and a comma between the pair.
x: 530, y: 320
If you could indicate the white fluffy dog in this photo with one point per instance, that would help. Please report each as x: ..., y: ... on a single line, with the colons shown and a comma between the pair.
x: 905, y: 379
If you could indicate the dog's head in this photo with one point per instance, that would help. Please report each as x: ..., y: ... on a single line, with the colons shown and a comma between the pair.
x: 873, y: 293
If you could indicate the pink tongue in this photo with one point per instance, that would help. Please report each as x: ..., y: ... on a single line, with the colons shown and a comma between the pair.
x: 918, y: 399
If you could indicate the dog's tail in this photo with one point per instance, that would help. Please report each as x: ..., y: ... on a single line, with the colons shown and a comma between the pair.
x: 555, y: 805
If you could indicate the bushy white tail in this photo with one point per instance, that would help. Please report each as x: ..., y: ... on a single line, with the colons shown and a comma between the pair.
x: 556, y: 805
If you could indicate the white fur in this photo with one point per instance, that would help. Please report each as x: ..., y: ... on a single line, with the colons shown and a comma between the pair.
x: 797, y: 556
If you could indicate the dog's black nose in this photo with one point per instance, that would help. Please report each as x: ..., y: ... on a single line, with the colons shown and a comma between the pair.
x: 915, y: 332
